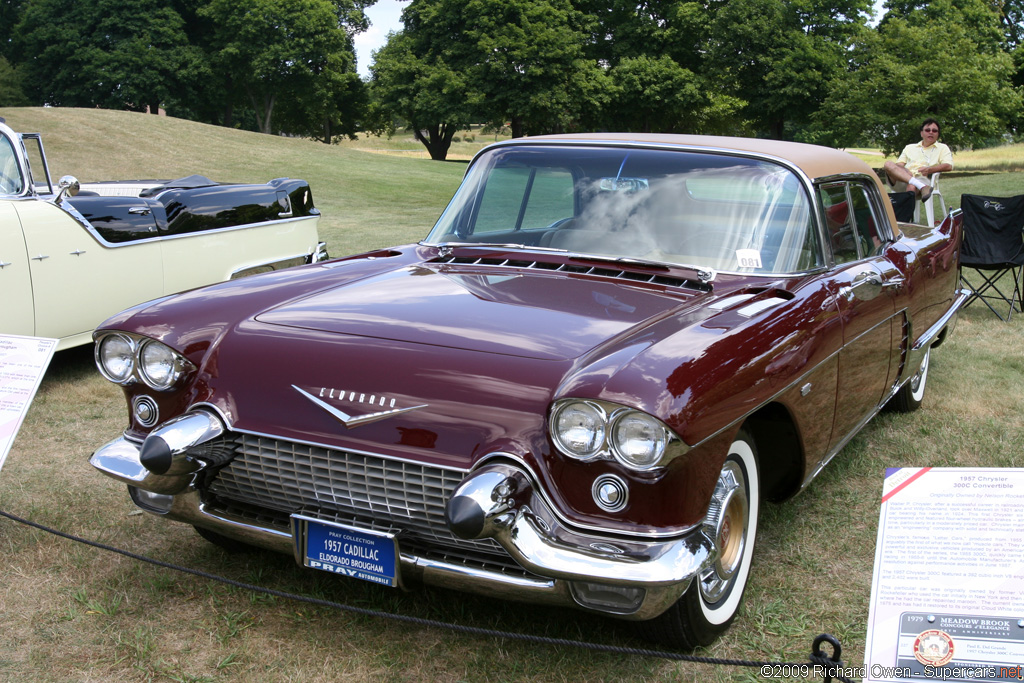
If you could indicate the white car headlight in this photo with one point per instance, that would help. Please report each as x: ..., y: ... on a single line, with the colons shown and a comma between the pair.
x: 159, y: 365
x: 592, y: 429
x: 115, y: 357
x: 125, y: 358
x: 578, y: 428
x: 638, y: 440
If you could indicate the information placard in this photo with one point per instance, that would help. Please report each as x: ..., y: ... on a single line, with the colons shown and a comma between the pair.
x: 23, y: 361
x: 947, y: 593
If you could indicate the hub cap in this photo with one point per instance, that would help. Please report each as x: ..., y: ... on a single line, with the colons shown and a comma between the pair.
x: 726, y: 523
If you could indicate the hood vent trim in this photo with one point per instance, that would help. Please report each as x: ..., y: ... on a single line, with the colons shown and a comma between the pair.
x: 601, y: 271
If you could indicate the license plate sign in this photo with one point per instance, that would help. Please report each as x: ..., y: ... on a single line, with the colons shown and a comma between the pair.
x: 340, y: 549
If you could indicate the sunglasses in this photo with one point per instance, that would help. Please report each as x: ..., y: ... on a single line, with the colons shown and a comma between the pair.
x: 930, y: 130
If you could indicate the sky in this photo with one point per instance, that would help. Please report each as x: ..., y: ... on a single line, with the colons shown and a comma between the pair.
x: 386, y: 16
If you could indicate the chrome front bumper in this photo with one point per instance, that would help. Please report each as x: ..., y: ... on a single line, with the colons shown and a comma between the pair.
x: 567, y: 565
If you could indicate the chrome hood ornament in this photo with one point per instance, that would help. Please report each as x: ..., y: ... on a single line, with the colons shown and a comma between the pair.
x: 350, y: 421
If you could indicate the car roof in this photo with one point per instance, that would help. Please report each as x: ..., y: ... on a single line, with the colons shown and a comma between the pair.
x: 815, y: 161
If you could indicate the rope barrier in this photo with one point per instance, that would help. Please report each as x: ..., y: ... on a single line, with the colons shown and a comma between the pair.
x: 828, y: 667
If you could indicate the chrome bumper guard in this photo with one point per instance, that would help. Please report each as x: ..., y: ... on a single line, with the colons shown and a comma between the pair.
x: 496, y: 501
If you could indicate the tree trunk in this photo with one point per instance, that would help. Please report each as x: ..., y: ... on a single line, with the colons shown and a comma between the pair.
x: 229, y: 104
x: 437, y: 139
x: 517, y: 127
x: 264, y: 111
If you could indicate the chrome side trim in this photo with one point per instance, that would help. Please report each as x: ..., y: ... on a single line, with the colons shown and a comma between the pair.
x: 268, y: 266
x: 71, y: 211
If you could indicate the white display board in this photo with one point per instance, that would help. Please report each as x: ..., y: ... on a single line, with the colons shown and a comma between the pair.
x: 23, y: 362
x: 947, y: 594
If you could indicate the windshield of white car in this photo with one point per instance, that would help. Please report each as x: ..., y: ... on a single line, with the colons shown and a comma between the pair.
x: 10, y: 175
x: 695, y: 209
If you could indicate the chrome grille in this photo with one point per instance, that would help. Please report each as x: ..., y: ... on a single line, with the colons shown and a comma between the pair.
x: 363, y: 490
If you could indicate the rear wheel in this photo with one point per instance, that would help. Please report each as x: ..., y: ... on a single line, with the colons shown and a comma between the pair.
x: 713, y: 598
x: 911, y: 394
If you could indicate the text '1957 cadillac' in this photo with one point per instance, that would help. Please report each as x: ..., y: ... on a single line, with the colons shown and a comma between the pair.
x: 74, y: 254
x: 577, y: 390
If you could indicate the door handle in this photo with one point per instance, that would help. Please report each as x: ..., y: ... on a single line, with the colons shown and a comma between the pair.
x: 869, y: 278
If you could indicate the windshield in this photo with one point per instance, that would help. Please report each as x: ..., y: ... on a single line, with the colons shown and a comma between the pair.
x: 699, y: 209
x: 10, y: 176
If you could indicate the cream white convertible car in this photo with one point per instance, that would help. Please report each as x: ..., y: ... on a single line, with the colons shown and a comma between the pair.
x: 73, y: 254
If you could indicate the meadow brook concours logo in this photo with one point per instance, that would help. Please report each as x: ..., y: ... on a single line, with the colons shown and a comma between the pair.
x: 933, y: 648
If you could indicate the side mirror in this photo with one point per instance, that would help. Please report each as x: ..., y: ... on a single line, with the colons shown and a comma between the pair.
x: 67, y: 186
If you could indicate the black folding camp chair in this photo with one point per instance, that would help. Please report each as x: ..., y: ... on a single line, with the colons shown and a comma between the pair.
x: 903, y: 205
x: 994, y: 248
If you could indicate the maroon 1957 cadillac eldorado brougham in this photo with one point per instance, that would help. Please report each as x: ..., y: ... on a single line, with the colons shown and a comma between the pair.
x: 577, y: 390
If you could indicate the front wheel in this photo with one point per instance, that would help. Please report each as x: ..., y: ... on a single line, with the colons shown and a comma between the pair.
x: 713, y: 598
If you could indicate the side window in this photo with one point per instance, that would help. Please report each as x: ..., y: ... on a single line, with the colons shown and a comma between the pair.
x: 867, y: 227
x: 501, y: 199
x: 10, y: 177
x: 523, y: 198
x: 839, y: 221
x: 551, y: 198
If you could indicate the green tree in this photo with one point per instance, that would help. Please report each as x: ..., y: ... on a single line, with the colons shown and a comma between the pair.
x: 11, y: 94
x: 129, y: 54
x: 656, y: 94
x: 332, y: 107
x: 413, y: 82
x: 527, y: 62
x: 780, y: 56
x: 520, y: 63
x: 269, y: 49
x: 945, y: 65
x: 10, y: 15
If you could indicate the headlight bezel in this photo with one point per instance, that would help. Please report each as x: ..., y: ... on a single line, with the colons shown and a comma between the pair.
x: 557, y: 413
x: 142, y: 371
x: 615, y: 417
x: 101, y: 362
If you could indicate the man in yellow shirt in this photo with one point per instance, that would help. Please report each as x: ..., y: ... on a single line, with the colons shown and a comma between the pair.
x: 919, y: 161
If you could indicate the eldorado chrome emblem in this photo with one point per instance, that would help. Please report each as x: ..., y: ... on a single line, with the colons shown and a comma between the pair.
x: 355, y: 397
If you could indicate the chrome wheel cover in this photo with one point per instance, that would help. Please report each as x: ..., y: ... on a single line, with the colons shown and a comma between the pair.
x: 727, y: 523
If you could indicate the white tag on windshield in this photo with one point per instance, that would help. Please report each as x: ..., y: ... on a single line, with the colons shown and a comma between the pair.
x: 749, y: 258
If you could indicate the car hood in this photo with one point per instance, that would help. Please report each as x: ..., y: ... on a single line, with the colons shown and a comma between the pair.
x: 516, y: 314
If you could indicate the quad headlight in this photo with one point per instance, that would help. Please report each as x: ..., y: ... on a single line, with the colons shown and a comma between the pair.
x: 115, y: 356
x: 579, y: 427
x: 124, y: 359
x: 587, y: 430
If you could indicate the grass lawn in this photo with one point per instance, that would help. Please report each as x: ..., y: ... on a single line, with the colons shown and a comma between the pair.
x: 74, y: 613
